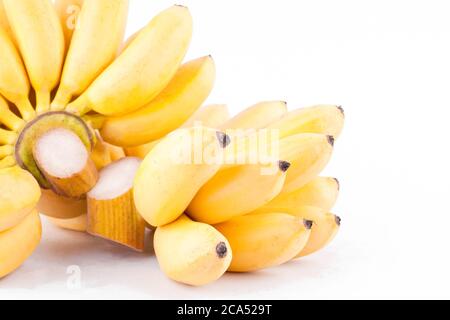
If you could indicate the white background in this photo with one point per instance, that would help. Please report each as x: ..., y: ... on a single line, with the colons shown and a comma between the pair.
x: 388, y: 64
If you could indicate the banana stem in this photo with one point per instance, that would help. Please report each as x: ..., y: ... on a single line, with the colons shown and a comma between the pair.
x: 61, y: 100
x: 8, y: 118
x: 7, y: 162
x: 6, y: 151
x: 7, y: 137
x: 80, y: 106
x: 43, y: 101
x: 26, y: 109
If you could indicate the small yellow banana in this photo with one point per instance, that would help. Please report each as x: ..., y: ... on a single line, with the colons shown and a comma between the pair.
x: 19, y: 194
x: 321, y: 193
x: 9, y: 118
x: 95, y: 42
x: 308, y: 154
x: 143, y: 70
x: 7, y: 137
x: 324, y: 119
x: 75, y: 224
x: 237, y: 191
x: 257, y: 116
x: 6, y: 151
x: 40, y: 37
x: 19, y: 242
x: 211, y: 116
x: 14, y: 84
x: 173, y: 172
x: 264, y: 240
x: 4, y: 23
x: 7, y: 162
x: 183, y: 96
x: 68, y: 11
x: 192, y: 253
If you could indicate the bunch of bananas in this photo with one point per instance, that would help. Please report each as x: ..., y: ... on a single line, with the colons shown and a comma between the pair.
x: 94, y: 132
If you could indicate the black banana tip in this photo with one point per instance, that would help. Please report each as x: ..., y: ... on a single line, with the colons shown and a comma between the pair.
x: 221, y: 250
x: 284, y: 165
x: 341, y: 109
x: 308, y: 224
x: 224, y: 139
x: 338, y: 220
x: 331, y: 140
x: 338, y: 183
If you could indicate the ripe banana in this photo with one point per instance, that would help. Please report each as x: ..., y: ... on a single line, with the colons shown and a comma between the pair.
x: 14, y: 83
x: 192, y: 253
x: 183, y: 96
x: 211, y: 116
x: 4, y: 23
x: 257, y: 116
x: 19, y: 194
x: 308, y: 154
x: 320, y: 192
x: 68, y: 11
x: 75, y: 224
x: 7, y: 137
x: 236, y: 191
x: 324, y: 119
x: 7, y: 162
x: 6, y: 151
x: 95, y: 42
x: 143, y: 70
x: 18, y: 243
x: 9, y: 118
x: 264, y: 240
x: 40, y: 37
x: 169, y: 177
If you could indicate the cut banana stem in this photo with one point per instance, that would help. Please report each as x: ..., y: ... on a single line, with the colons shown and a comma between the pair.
x: 321, y: 193
x: 192, y: 253
x: 143, y: 70
x: 308, y: 154
x: 112, y: 214
x: 257, y: 116
x: 183, y: 96
x: 14, y: 84
x: 324, y: 119
x: 18, y: 243
x: 75, y: 224
x: 7, y: 137
x: 7, y: 162
x: 95, y: 42
x: 65, y: 162
x: 68, y: 11
x: 266, y: 240
x: 9, y: 118
x: 237, y: 191
x: 174, y: 171
x: 53, y: 205
x: 40, y: 38
x: 101, y: 154
x: 19, y: 194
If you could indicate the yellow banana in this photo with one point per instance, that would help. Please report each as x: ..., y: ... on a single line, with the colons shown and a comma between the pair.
x: 40, y: 37
x: 257, y: 116
x: 4, y: 24
x: 18, y: 243
x: 19, y: 194
x: 7, y: 162
x: 324, y: 119
x: 9, y: 118
x: 7, y: 137
x: 192, y: 253
x: 185, y: 93
x: 169, y: 177
x: 308, y: 154
x: 75, y: 224
x: 320, y: 192
x: 95, y: 42
x: 14, y: 83
x: 6, y: 151
x: 264, y: 240
x: 68, y: 11
x: 211, y: 116
x: 237, y: 191
x: 143, y: 70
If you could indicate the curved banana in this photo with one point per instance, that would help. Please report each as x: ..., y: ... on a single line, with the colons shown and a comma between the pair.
x: 7, y: 162
x: 40, y: 37
x: 14, y: 84
x: 320, y: 192
x: 19, y: 194
x: 18, y: 243
x: 211, y: 116
x: 324, y: 119
x: 75, y: 224
x: 97, y: 38
x: 9, y: 118
x: 6, y: 151
x: 257, y: 116
x: 237, y: 191
x: 192, y: 253
x: 143, y: 70
x: 4, y: 23
x: 185, y: 93
x: 308, y: 154
x: 174, y: 171
x: 265, y: 240
x: 7, y: 137
x: 68, y: 11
